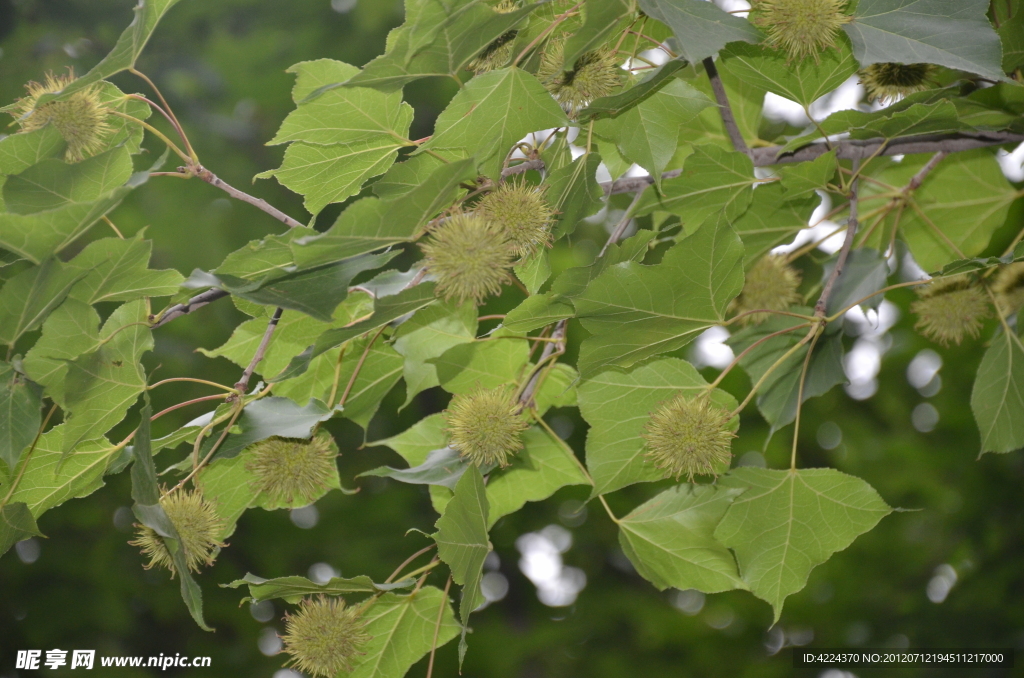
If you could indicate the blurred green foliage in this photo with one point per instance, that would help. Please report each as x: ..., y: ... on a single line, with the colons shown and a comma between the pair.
x: 222, y: 67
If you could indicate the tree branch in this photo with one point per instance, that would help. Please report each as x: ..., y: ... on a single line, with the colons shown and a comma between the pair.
x: 196, y: 302
x: 212, y: 179
x: 243, y: 382
x: 724, y: 108
x: 844, y: 253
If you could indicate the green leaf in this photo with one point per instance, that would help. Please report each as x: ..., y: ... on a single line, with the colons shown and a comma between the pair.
x: 777, y: 397
x: 1011, y: 32
x: 127, y: 49
x: 906, y: 118
x: 998, y: 399
x: 372, y: 223
x: 265, y: 258
x: 952, y: 33
x: 70, y: 331
x: 865, y: 272
x: 52, y: 184
x: 701, y: 28
x: 42, y: 234
x: 714, y: 183
x: 20, y: 416
x: 670, y: 539
x: 647, y: 133
x: 449, y: 44
x: 268, y: 417
x: 16, y: 524
x: 488, y: 363
x: 47, y: 482
x: 789, y: 522
x: 773, y: 218
x: 462, y: 538
x: 506, y: 105
x: 341, y: 115
x: 602, y: 19
x: 386, y: 310
x: 535, y: 473
x: 102, y: 385
x: 428, y: 334
x: 615, y: 104
x: 380, y: 371
x: 803, y: 81
x: 442, y: 466
x: 403, y: 629
x: 538, y: 310
x: 20, y: 151
x: 966, y: 196
x: 315, y: 291
x: 804, y: 178
x: 295, y: 331
x: 534, y: 272
x: 635, y: 311
x: 419, y: 440
x: 292, y: 589
x: 557, y: 388
x: 30, y: 296
x: 574, y: 193
x: 148, y: 510
x: 617, y: 404
x: 118, y: 270
x: 328, y: 174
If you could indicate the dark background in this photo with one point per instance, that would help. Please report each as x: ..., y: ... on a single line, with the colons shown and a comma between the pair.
x: 221, y: 64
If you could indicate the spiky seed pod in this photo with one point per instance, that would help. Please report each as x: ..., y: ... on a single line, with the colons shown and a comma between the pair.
x: 287, y: 469
x: 801, y: 28
x: 81, y: 118
x: 889, y: 82
x: 771, y: 285
x: 499, y: 52
x: 595, y: 74
x: 198, y: 525
x: 950, y: 309
x: 688, y: 436
x: 484, y: 426
x: 1009, y: 288
x: 522, y: 212
x: 324, y: 636
x: 470, y: 256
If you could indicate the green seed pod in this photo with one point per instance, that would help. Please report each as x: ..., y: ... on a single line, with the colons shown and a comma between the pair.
x: 1009, y: 288
x: 771, y: 285
x: 950, y: 309
x: 688, y: 436
x: 197, y: 524
x: 470, y: 256
x: 293, y: 472
x: 595, y: 74
x: 484, y: 426
x: 522, y: 212
x: 891, y: 82
x: 324, y: 636
x: 801, y: 28
x: 81, y: 118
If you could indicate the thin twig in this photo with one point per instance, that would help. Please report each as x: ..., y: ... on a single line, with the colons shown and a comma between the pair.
x: 437, y: 625
x: 358, y: 368
x: 178, y: 310
x: 620, y: 228
x: 800, y: 395
x: 408, y: 560
x: 724, y: 108
x: 550, y: 349
x: 844, y: 253
x: 243, y: 382
x: 918, y: 179
x: 212, y: 179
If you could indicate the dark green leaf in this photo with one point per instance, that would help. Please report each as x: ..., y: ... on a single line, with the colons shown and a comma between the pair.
x: 428, y: 334
x: 490, y: 363
x: 603, y: 17
x: 701, y: 28
x: 272, y: 416
x: 20, y: 416
x: 773, y: 218
x: 864, y: 273
x: 52, y: 184
x: 29, y: 297
x: 615, y: 104
x: 442, y: 466
x: 16, y: 524
x: 462, y: 538
x: 292, y: 589
x: 998, y: 399
x: 118, y: 270
x: 574, y: 193
x: 951, y: 33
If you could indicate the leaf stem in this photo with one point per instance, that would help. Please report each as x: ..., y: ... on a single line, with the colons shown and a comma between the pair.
x: 437, y: 626
x: 197, y: 381
x: 160, y: 135
x: 408, y: 560
x: 800, y: 394
x: 243, y: 382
